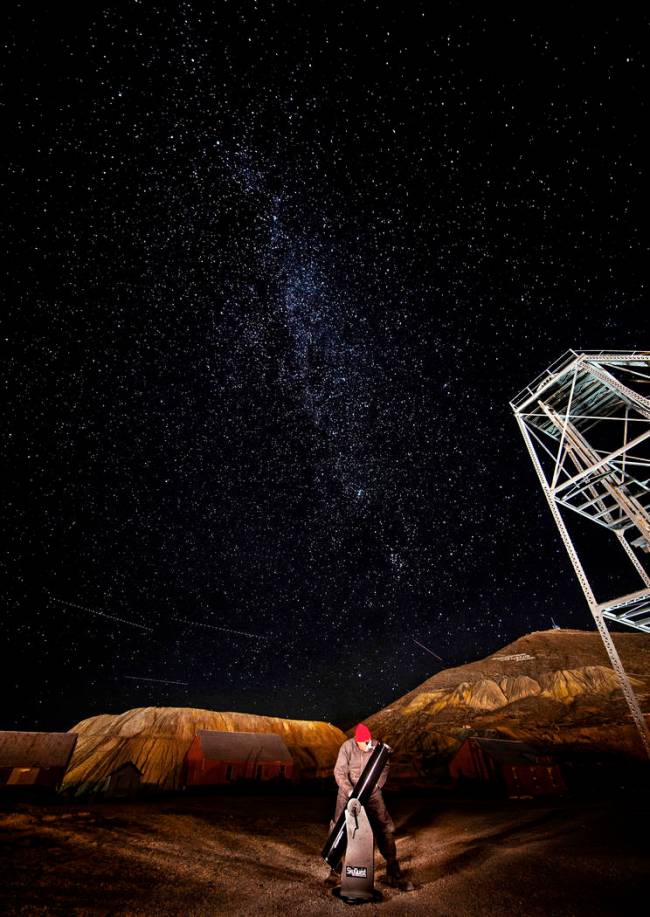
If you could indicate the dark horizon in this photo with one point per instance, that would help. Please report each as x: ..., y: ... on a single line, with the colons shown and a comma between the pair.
x: 274, y: 275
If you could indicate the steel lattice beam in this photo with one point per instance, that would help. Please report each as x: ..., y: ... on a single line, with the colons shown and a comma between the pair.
x: 576, y: 419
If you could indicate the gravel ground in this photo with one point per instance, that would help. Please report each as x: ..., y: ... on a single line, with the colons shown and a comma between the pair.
x: 259, y: 855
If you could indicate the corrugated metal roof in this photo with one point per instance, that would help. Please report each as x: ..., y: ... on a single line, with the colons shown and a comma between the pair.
x: 507, y: 751
x: 243, y: 746
x: 36, y: 749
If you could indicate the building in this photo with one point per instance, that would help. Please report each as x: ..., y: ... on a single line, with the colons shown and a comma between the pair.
x: 122, y: 783
x: 507, y: 765
x: 224, y: 757
x: 406, y: 768
x: 35, y: 759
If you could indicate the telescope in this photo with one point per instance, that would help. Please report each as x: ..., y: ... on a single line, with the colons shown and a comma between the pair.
x: 352, y: 835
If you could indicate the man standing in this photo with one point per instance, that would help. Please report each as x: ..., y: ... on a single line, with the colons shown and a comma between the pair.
x: 352, y: 758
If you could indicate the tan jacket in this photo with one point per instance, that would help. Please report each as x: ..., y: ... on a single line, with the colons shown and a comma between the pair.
x: 349, y: 765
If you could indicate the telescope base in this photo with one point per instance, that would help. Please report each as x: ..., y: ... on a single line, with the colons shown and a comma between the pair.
x: 346, y: 899
x: 358, y: 868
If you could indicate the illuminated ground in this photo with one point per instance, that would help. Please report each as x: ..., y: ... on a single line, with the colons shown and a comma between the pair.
x: 260, y: 855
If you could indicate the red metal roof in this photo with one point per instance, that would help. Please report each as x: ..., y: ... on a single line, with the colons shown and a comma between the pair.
x: 507, y: 751
x: 243, y: 746
x: 36, y: 749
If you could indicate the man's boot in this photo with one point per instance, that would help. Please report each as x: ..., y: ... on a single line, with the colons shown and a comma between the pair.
x: 393, y: 873
x: 395, y: 877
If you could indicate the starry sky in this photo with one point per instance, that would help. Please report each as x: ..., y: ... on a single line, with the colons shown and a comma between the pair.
x: 274, y: 272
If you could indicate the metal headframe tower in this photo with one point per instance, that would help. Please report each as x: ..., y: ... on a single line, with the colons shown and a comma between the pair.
x: 586, y: 423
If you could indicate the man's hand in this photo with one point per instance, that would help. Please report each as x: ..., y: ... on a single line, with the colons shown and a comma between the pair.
x: 354, y: 806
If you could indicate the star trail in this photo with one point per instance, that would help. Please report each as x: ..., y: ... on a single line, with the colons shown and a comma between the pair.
x: 273, y: 273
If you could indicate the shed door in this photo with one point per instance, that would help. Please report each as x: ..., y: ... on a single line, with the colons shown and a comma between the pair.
x: 20, y: 775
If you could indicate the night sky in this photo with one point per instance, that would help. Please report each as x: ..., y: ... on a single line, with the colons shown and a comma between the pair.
x: 274, y: 272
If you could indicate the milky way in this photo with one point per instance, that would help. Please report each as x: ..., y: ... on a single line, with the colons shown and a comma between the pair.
x: 275, y: 272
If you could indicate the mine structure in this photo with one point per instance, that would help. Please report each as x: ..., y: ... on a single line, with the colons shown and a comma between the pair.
x: 586, y: 423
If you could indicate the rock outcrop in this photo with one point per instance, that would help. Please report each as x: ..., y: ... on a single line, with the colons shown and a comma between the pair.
x: 156, y: 740
x: 551, y: 688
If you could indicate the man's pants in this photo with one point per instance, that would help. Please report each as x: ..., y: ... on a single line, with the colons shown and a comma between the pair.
x: 380, y: 822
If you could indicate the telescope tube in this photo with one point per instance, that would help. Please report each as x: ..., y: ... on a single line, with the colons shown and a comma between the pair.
x: 337, y: 841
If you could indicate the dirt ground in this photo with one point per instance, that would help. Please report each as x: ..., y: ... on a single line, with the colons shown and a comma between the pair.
x: 259, y: 855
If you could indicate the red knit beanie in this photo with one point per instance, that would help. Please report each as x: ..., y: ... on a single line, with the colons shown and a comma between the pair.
x: 362, y: 733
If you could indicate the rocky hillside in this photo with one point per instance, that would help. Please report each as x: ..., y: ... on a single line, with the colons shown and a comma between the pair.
x: 156, y: 740
x: 551, y: 688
